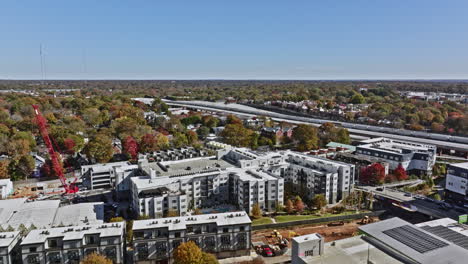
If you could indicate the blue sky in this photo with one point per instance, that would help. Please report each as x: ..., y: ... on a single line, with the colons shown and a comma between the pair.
x: 314, y: 39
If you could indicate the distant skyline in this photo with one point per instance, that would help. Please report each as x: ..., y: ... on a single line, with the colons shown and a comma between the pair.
x: 258, y: 40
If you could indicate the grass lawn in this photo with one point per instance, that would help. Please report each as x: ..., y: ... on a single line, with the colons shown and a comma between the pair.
x: 289, y: 218
x: 262, y: 221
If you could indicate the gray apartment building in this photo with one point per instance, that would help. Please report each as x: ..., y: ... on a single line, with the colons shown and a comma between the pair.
x: 69, y: 245
x: 225, y: 235
x: 415, y: 158
x: 456, y: 184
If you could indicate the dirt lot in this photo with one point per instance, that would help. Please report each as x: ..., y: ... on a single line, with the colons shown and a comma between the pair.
x: 330, y: 233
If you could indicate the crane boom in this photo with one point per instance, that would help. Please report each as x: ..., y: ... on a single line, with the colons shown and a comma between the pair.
x: 56, y: 166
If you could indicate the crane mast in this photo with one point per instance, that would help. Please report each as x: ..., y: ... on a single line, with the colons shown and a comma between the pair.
x: 54, y: 157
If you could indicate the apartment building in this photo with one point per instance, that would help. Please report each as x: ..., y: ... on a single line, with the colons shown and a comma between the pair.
x: 310, y: 175
x: 69, y: 245
x: 6, y: 188
x: 225, y: 235
x: 456, y: 184
x: 415, y: 158
x: 9, y: 251
x: 108, y: 175
x: 249, y: 187
x: 173, y: 154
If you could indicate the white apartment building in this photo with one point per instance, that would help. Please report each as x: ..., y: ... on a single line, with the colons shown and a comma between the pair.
x: 415, y: 158
x: 6, y: 188
x: 9, y: 251
x: 69, y: 245
x: 456, y: 184
x: 225, y: 235
x: 310, y: 175
x: 249, y: 187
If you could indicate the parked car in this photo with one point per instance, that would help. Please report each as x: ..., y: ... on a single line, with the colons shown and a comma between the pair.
x: 267, y: 252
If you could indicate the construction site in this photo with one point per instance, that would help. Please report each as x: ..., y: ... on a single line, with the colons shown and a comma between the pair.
x: 276, y: 242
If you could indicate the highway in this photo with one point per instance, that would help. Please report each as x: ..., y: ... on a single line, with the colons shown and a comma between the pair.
x: 247, y: 111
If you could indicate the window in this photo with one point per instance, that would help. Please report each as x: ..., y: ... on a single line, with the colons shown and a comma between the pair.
x: 33, y: 259
x: 142, y: 251
x: 225, y: 230
x: 52, y: 243
x: 73, y: 256
x: 177, y: 234
x: 54, y: 258
x: 308, y: 253
x: 242, y: 228
x: 32, y: 249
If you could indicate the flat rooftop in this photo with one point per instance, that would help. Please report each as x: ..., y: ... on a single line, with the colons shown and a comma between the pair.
x: 48, y: 213
x: 80, y: 214
x: 448, y: 229
x: 73, y: 233
x: 6, y: 238
x: 104, y: 166
x: 463, y: 165
x: 394, y: 146
x: 181, y: 222
x: 413, y: 242
x: 253, y: 175
x: 353, y: 250
x: 187, y: 166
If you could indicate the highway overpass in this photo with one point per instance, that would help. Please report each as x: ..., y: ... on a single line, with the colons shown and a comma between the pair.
x: 242, y: 110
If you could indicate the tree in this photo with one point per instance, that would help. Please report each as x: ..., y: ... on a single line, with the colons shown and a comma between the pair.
x: 99, y: 148
x: 437, y: 197
x: 319, y: 201
x: 130, y: 147
x: 23, y: 167
x: 289, y: 206
x: 95, y: 258
x: 92, y: 116
x: 232, y: 119
x: 179, y: 140
x: 192, y: 137
x: 208, y: 258
x: 203, y: 132
x: 299, y: 204
x: 400, y: 173
x: 188, y: 253
x: 306, y: 137
x: 4, y: 169
x: 373, y: 174
x: 197, y: 211
x: 163, y: 141
x: 116, y: 219
x: 237, y: 135
x: 256, y: 211
x: 210, y: 121
x: 357, y: 99
x: 343, y: 136
x: 172, y: 213
x: 148, y: 143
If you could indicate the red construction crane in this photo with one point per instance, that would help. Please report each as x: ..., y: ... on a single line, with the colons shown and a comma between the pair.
x: 54, y: 157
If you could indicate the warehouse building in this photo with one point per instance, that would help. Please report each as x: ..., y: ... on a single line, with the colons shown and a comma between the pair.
x: 456, y: 184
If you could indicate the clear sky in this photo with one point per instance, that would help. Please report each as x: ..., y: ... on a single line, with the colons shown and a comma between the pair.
x: 236, y: 39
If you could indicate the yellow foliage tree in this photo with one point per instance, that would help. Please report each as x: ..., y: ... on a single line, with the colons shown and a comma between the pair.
x: 95, y: 258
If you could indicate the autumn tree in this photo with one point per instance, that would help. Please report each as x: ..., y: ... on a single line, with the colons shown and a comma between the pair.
x: 299, y: 204
x: 130, y: 147
x: 319, y: 201
x: 306, y: 137
x: 148, y: 143
x: 99, y: 148
x: 289, y: 206
x: 373, y: 174
x: 163, y: 141
x: 192, y: 137
x: 400, y: 173
x: 4, y: 174
x: 95, y: 258
x: 116, y: 219
x: 256, y: 211
x: 179, y: 140
x: 232, y: 119
x: 188, y: 253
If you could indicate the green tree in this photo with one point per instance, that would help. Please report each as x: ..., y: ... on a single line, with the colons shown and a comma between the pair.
x: 306, y: 137
x: 237, y: 135
x: 179, y: 140
x: 203, y: 132
x: 99, y: 148
x: 343, y: 136
x: 319, y: 201
x: 357, y: 99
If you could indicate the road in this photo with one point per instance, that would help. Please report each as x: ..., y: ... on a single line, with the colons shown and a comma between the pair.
x: 250, y: 112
